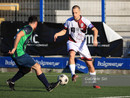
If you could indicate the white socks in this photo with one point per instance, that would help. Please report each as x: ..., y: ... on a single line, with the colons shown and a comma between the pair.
x: 94, y: 73
x: 72, y: 69
x: 93, y: 76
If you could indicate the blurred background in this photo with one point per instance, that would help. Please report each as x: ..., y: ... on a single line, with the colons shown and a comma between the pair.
x: 114, y: 13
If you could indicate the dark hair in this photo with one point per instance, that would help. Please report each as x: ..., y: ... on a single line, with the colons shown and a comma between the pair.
x: 32, y: 19
x: 75, y: 6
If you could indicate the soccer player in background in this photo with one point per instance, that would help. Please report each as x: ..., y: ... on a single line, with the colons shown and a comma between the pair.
x: 24, y: 62
x: 77, y: 27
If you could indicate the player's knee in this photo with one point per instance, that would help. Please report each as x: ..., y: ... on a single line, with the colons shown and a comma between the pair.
x: 72, y: 55
x: 36, y: 66
x: 90, y: 66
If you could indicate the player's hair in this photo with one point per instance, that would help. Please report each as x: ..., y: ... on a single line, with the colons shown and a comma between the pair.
x: 75, y: 6
x: 32, y: 19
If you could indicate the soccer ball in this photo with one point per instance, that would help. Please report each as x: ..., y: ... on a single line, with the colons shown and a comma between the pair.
x: 63, y: 79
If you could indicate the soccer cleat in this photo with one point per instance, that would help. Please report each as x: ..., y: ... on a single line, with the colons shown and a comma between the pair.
x: 11, y: 84
x: 74, y: 77
x: 52, y: 86
x: 96, y: 86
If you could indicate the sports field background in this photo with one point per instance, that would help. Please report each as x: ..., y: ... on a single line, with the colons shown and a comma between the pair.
x: 30, y: 87
x: 57, y: 11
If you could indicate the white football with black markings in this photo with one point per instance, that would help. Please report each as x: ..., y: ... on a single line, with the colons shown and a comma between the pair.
x: 63, y: 79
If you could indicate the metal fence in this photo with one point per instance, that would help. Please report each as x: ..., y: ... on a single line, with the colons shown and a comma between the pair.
x: 26, y: 8
x: 59, y: 10
x: 117, y: 11
x: 53, y: 10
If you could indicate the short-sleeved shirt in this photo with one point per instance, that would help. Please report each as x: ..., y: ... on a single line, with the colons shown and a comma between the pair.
x: 77, y: 29
x: 23, y: 41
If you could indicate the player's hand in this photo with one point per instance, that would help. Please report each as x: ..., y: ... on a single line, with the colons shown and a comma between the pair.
x: 95, y: 43
x: 12, y: 51
x: 55, y: 37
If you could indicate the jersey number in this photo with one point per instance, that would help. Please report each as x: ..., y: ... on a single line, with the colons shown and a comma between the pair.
x: 73, y: 29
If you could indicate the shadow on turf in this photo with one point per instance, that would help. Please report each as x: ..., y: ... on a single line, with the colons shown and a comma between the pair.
x: 31, y: 90
x: 22, y: 90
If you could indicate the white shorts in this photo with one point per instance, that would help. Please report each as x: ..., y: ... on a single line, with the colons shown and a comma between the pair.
x: 81, y: 48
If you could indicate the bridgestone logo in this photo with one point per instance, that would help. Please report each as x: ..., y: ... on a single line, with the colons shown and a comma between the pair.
x: 106, y: 64
x: 43, y: 63
x: 9, y: 62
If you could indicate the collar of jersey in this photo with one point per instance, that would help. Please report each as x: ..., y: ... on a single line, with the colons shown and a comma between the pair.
x: 79, y: 19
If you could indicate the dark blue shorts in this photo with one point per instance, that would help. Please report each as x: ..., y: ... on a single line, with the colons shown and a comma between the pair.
x: 24, y: 61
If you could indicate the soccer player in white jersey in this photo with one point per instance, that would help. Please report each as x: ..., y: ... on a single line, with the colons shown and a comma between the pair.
x: 77, y: 27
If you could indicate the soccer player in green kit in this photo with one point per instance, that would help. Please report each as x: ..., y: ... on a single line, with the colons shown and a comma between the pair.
x: 24, y: 62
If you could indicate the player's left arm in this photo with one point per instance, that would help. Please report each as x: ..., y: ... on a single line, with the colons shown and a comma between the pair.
x: 94, y: 29
x: 95, y: 42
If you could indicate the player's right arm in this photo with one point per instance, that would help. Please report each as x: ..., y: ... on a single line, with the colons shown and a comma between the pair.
x: 61, y: 33
x: 18, y: 37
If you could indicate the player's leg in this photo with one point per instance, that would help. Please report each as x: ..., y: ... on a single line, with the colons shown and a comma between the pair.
x: 91, y: 68
x: 92, y: 73
x: 22, y: 71
x: 40, y: 75
x: 72, y: 62
x: 72, y: 65
x: 42, y: 78
x: 29, y: 62
x: 72, y: 51
x: 17, y: 76
x: 26, y: 61
x: 86, y: 56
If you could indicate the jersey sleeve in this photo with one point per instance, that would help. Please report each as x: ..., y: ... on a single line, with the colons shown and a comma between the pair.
x: 27, y: 30
x: 89, y: 24
x: 66, y: 25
